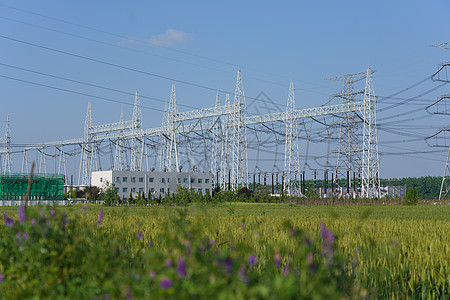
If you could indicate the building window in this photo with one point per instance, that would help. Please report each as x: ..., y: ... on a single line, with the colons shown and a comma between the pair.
x: 200, y: 180
x: 141, y: 190
x: 152, y: 190
x: 133, y: 190
x: 101, y: 179
x: 168, y: 180
x: 141, y: 179
x: 168, y: 191
x: 206, y: 180
x: 192, y: 180
x: 200, y: 191
x: 124, y: 190
x: 161, y: 190
x: 124, y: 179
x: 206, y: 191
x: 117, y: 179
x: 179, y: 180
x: 163, y: 180
x: 133, y: 179
x: 151, y: 179
x: 184, y: 180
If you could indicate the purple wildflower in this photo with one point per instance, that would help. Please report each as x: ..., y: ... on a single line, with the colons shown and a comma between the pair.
x: 168, y: 263
x: 150, y: 243
x: 326, y: 234
x: 107, y: 297
x: 140, y: 236
x: 1, y: 277
x: 21, y: 214
x: 166, y: 283
x: 152, y: 274
x: 8, y: 221
x: 52, y: 213
x: 286, y: 271
x: 100, y: 217
x: 312, y: 268
x: 243, y: 275
x: 212, y: 242
x: 277, y: 259
x: 309, y: 258
x: 33, y: 222
x: 328, y: 240
x: 84, y: 208
x: 292, y: 231
x: 252, y: 259
x: 25, y: 236
x: 243, y: 224
x: 181, y: 268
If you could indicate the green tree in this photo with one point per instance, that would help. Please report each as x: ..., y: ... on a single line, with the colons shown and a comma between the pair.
x: 412, y: 196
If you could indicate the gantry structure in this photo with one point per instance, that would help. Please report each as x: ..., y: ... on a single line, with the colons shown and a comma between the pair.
x: 219, y: 137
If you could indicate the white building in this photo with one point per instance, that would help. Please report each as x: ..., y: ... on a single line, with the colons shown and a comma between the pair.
x: 155, y: 183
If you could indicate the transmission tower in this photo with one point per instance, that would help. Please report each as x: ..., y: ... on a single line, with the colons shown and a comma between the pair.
x: 370, y: 187
x: 120, y: 156
x: 225, y: 161
x: 7, y: 145
x: 87, y: 151
x: 137, y: 140
x: 445, y: 187
x: 291, y: 156
x: 239, y: 170
x: 216, y: 147
x: 348, y: 150
x: 171, y: 160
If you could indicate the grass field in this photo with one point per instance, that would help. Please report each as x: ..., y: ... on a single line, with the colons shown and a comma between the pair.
x: 378, y: 251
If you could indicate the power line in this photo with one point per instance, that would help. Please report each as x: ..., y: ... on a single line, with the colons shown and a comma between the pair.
x: 163, y: 47
x: 90, y: 84
x: 77, y: 93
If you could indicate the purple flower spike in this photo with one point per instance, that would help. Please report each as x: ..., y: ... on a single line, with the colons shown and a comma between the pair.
x: 252, y: 259
x: 84, y: 208
x: 33, y: 222
x: 277, y: 259
x: 166, y: 283
x: 168, y: 263
x: 100, y: 217
x: 52, y: 213
x: 21, y: 214
x: 243, y: 276
x: 140, y: 236
x: 286, y: 271
x: 243, y: 224
x: 326, y: 234
x: 292, y: 231
x: 152, y: 274
x: 181, y: 268
x: 150, y: 243
x: 25, y: 236
x: 1, y: 277
x: 212, y: 242
x: 8, y: 221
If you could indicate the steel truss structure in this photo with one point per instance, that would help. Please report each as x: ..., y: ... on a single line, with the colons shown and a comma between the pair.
x: 217, y: 139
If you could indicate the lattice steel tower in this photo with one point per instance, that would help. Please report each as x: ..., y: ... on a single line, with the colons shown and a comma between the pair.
x: 7, y: 145
x: 87, y: 151
x: 370, y: 187
x: 137, y: 140
x: 171, y: 160
x: 291, y: 155
x: 239, y: 170
x: 349, y: 149
x: 225, y: 159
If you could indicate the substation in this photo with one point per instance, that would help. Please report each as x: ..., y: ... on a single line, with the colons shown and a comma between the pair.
x: 224, y: 140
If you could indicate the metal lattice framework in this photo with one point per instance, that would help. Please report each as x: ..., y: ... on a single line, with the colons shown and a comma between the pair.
x: 370, y: 187
x: 217, y: 139
x: 6, y: 160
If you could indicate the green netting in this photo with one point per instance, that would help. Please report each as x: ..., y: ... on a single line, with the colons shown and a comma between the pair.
x: 43, y: 187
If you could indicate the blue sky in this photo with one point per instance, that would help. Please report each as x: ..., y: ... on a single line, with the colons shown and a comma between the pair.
x: 204, y: 42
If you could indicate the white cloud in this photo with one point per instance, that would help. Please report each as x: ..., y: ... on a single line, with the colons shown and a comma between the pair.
x: 170, y: 37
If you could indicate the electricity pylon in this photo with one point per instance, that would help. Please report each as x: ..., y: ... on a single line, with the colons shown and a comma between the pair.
x: 291, y: 152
